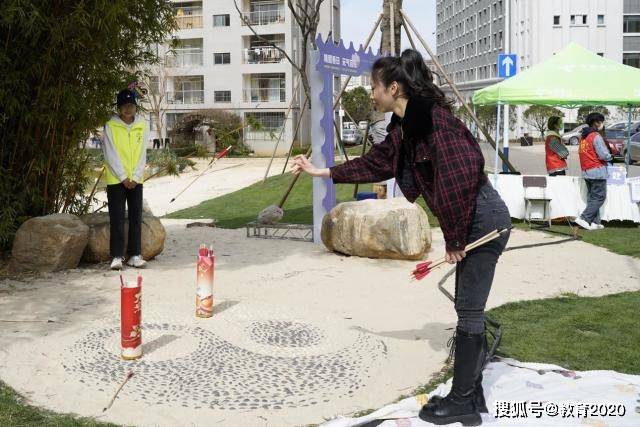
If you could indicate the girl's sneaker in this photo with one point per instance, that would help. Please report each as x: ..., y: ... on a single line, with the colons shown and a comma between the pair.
x: 116, y: 263
x: 137, y: 262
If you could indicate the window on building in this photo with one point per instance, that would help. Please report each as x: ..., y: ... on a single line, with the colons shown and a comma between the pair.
x: 222, y: 96
x: 187, y: 90
x: 578, y: 19
x: 556, y: 20
x: 600, y: 19
x: 172, y: 118
x: 221, y: 20
x: 221, y: 58
x: 631, y: 59
x: 270, y: 124
x: 188, y: 53
x: 631, y: 24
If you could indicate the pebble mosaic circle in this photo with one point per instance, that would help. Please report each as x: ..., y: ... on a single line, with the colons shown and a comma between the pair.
x: 285, y: 334
x: 208, y: 371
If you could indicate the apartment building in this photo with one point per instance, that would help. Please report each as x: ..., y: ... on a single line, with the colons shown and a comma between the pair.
x: 471, y: 33
x: 220, y: 64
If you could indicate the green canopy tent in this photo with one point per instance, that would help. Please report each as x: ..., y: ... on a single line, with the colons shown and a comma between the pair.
x: 573, y: 77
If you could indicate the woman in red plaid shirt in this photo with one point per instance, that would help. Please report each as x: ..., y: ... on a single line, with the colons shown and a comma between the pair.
x: 432, y: 154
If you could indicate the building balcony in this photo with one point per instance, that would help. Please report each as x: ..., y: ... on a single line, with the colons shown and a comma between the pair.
x: 184, y: 59
x: 186, y: 97
x: 264, y: 95
x: 189, y: 22
x: 263, y: 55
x: 264, y: 17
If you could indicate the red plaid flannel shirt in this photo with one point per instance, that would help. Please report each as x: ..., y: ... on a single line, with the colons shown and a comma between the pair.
x: 448, y: 170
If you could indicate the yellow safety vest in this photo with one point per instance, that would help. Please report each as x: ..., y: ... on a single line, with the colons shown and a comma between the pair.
x: 129, y: 145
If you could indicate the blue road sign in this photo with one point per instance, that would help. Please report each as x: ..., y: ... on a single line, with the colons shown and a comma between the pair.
x: 507, y: 65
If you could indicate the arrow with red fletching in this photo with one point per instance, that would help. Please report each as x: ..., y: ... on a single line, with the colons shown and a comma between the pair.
x: 211, y: 163
x: 424, y: 268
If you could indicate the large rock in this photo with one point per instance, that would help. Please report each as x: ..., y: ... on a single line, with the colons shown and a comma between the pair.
x: 394, y: 229
x: 153, y: 235
x: 49, y: 243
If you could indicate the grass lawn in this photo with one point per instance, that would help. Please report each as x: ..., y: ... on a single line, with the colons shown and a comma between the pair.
x: 15, y: 413
x: 235, y: 209
x: 578, y: 333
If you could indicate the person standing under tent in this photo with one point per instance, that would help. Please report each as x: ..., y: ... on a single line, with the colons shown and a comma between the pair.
x: 594, y: 159
x: 555, y: 152
x: 432, y: 153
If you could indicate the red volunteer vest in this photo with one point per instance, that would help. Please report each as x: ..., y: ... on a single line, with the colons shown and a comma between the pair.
x: 554, y: 162
x: 588, y: 157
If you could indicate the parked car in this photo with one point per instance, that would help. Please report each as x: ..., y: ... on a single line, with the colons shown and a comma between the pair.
x: 635, y: 127
x: 349, y: 125
x: 634, y: 149
x: 351, y: 137
x: 573, y: 137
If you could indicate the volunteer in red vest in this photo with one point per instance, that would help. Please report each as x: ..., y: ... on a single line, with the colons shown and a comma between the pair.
x: 594, y: 159
x: 555, y: 151
x: 125, y: 155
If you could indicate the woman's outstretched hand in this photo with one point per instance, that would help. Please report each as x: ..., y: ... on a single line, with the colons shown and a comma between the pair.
x: 302, y: 164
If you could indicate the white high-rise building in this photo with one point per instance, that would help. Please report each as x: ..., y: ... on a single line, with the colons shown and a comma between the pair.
x: 221, y: 64
x: 471, y: 34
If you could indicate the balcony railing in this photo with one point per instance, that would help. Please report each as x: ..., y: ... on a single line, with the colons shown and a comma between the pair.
x: 264, y: 17
x: 263, y: 55
x: 186, y: 97
x: 264, y: 95
x: 186, y: 22
x: 191, y: 58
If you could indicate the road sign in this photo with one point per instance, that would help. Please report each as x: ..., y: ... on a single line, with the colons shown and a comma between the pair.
x: 507, y: 65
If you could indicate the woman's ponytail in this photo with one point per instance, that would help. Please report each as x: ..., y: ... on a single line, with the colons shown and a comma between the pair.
x: 411, y: 72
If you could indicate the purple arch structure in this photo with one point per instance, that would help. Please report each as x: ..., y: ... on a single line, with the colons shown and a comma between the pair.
x: 331, y: 58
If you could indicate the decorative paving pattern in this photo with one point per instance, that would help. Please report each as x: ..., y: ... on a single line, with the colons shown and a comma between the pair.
x: 285, y: 334
x: 197, y: 368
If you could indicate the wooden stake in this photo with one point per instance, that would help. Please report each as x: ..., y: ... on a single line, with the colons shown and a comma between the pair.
x: 129, y: 375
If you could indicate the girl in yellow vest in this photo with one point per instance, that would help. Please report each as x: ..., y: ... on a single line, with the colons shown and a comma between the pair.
x: 125, y: 155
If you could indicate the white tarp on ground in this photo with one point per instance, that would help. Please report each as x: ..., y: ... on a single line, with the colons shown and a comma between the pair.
x: 530, y: 394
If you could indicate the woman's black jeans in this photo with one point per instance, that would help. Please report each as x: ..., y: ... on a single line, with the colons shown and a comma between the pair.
x: 117, y: 194
x: 474, y: 274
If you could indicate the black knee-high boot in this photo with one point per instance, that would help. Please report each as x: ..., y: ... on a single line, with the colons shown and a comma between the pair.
x: 481, y: 404
x: 460, y: 405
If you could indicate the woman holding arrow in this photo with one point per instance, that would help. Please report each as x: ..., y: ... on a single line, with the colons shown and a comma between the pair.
x: 432, y: 153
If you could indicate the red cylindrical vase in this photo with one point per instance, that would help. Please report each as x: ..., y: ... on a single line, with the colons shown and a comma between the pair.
x: 131, y: 318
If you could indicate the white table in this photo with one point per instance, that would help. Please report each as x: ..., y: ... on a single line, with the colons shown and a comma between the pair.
x: 568, y: 196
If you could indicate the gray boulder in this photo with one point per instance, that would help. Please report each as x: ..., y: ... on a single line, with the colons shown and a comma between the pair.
x: 393, y: 228
x: 49, y: 243
x: 97, y: 250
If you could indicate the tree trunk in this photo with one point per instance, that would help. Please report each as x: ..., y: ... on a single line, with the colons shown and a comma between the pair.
x: 385, y: 26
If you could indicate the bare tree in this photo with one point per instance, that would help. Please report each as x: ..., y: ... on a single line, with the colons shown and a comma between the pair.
x: 306, y: 14
x: 385, y: 26
x: 156, y: 80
